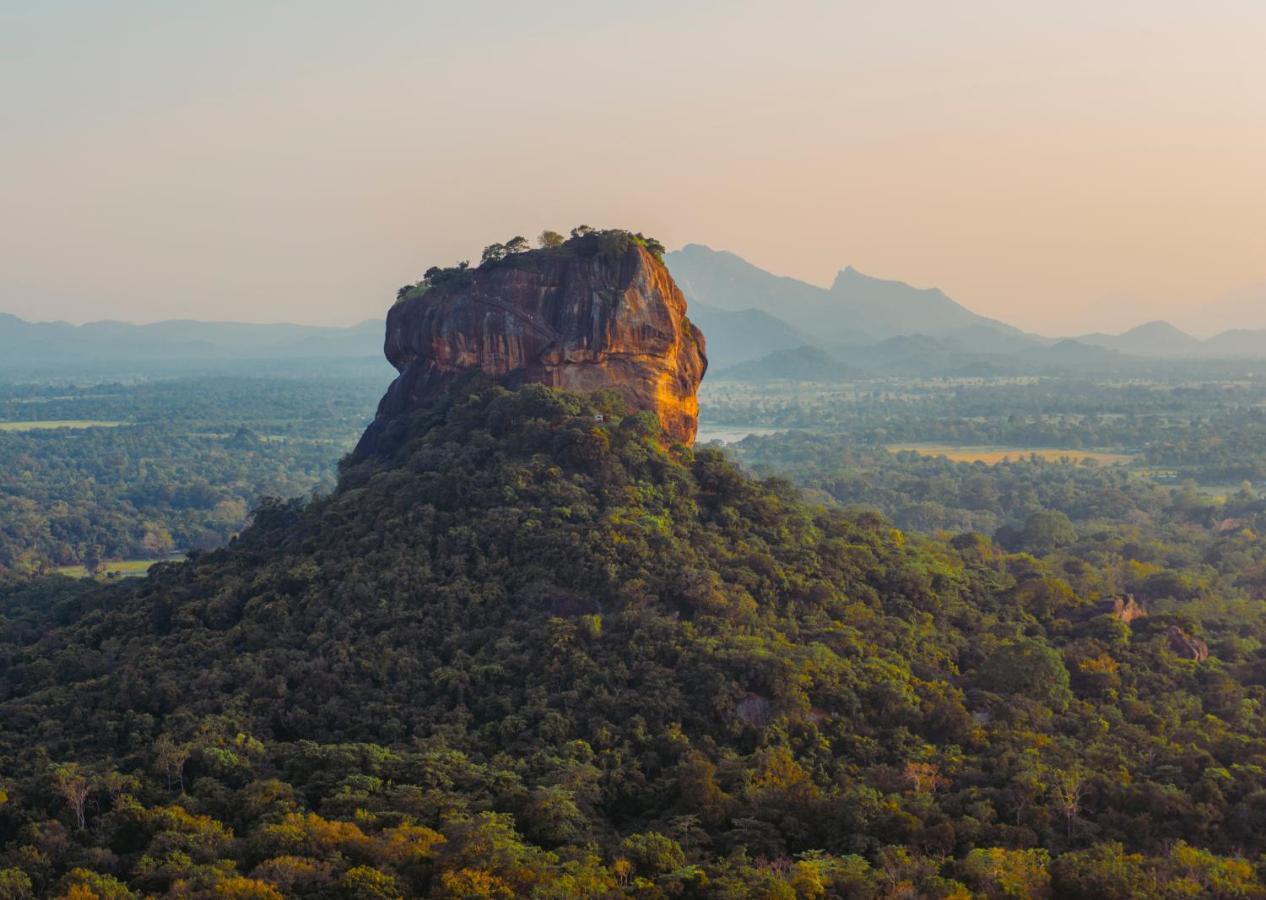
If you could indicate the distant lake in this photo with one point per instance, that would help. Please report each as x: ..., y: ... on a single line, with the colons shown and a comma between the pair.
x: 730, y: 434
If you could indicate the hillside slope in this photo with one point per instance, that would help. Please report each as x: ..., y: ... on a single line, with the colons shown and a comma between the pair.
x: 523, y: 652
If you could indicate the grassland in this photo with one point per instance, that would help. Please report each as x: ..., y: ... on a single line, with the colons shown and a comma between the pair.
x: 991, y: 455
x: 57, y: 423
x: 123, y: 568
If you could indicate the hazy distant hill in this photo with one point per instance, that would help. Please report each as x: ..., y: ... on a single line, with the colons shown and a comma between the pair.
x: 727, y: 281
x: 857, y: 309
x: 922, y: 355
x: 737, y: 336
x: 796, y: 364
x: 1081, y: 355
x: 59, y: 345
x: 1239, y: 342
x: 880, y: 322
x: 746, y: 313
x: 1149, y: 339
x: 1161, y: 339
x: 891, y: 308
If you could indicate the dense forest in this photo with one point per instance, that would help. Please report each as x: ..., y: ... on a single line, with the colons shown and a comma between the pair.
x: 170, y: 464
x: 1212, y: 430
x: 926, y: 492
x: 158, y: 466
x: 531, y: 652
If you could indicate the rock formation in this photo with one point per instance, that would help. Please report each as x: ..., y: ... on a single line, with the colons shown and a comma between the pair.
x: 600, y: 311
x: 1124, y: 609
x: 1186, y: 646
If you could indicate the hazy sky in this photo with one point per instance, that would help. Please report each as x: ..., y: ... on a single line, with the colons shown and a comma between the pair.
x: 1064, y: 166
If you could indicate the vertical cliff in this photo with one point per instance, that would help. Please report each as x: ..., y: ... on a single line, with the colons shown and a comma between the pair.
x: 599, y: 312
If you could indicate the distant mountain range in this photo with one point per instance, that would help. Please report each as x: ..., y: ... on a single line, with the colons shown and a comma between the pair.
x: 891, y: 327
x: 1161, y: 339
x: 758, y: 326
x: 59, y: 345
x: 857, y: 309
x: 739, y: 336
x: 796, y: 364
x: 1150, y: 339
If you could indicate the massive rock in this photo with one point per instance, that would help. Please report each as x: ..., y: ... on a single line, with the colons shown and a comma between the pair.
x: 589, y: 315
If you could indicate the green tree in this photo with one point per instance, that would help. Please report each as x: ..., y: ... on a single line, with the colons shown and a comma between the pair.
x: 1047, y: 530
x: 1103, y: 872
x: 997, y: 873
x: 15, y: 885
x: 652, y: 853
x: 365, y: 883
x: 1029, y: 667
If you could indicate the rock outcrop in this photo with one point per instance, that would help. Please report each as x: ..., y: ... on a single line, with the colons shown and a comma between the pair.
x: 1186, y: 646
x: 1124, y: 609
x: 600, y: 312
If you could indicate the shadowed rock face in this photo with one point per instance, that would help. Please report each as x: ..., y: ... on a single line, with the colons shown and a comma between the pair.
x: 558, y: 318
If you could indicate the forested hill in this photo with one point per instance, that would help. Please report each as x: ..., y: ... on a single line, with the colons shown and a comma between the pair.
x: 528, y: 651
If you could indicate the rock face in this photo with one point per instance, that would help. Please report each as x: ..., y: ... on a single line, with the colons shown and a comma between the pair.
x: 578, y: 317
x: 1122, y: 608
x: 1125, y: 609
x: 1186, y: 646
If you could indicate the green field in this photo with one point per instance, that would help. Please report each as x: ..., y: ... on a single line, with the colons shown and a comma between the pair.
x: 992, y: 455
x: 57, y: 423
x: 124, y: 568
x: 1219, y: 492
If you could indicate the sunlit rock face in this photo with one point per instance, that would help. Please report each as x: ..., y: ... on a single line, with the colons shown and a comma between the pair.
x: 566, y: 319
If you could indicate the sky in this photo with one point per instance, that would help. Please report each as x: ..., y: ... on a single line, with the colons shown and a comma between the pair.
x: 1065, y: 167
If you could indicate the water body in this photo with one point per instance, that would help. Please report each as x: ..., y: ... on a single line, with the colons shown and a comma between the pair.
x: 731, y: 434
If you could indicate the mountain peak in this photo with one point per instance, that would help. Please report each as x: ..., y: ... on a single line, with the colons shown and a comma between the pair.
x: 1156, y: 328
x: 850, y: 275
x: 1155, y: 338
x: 857, y: 308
